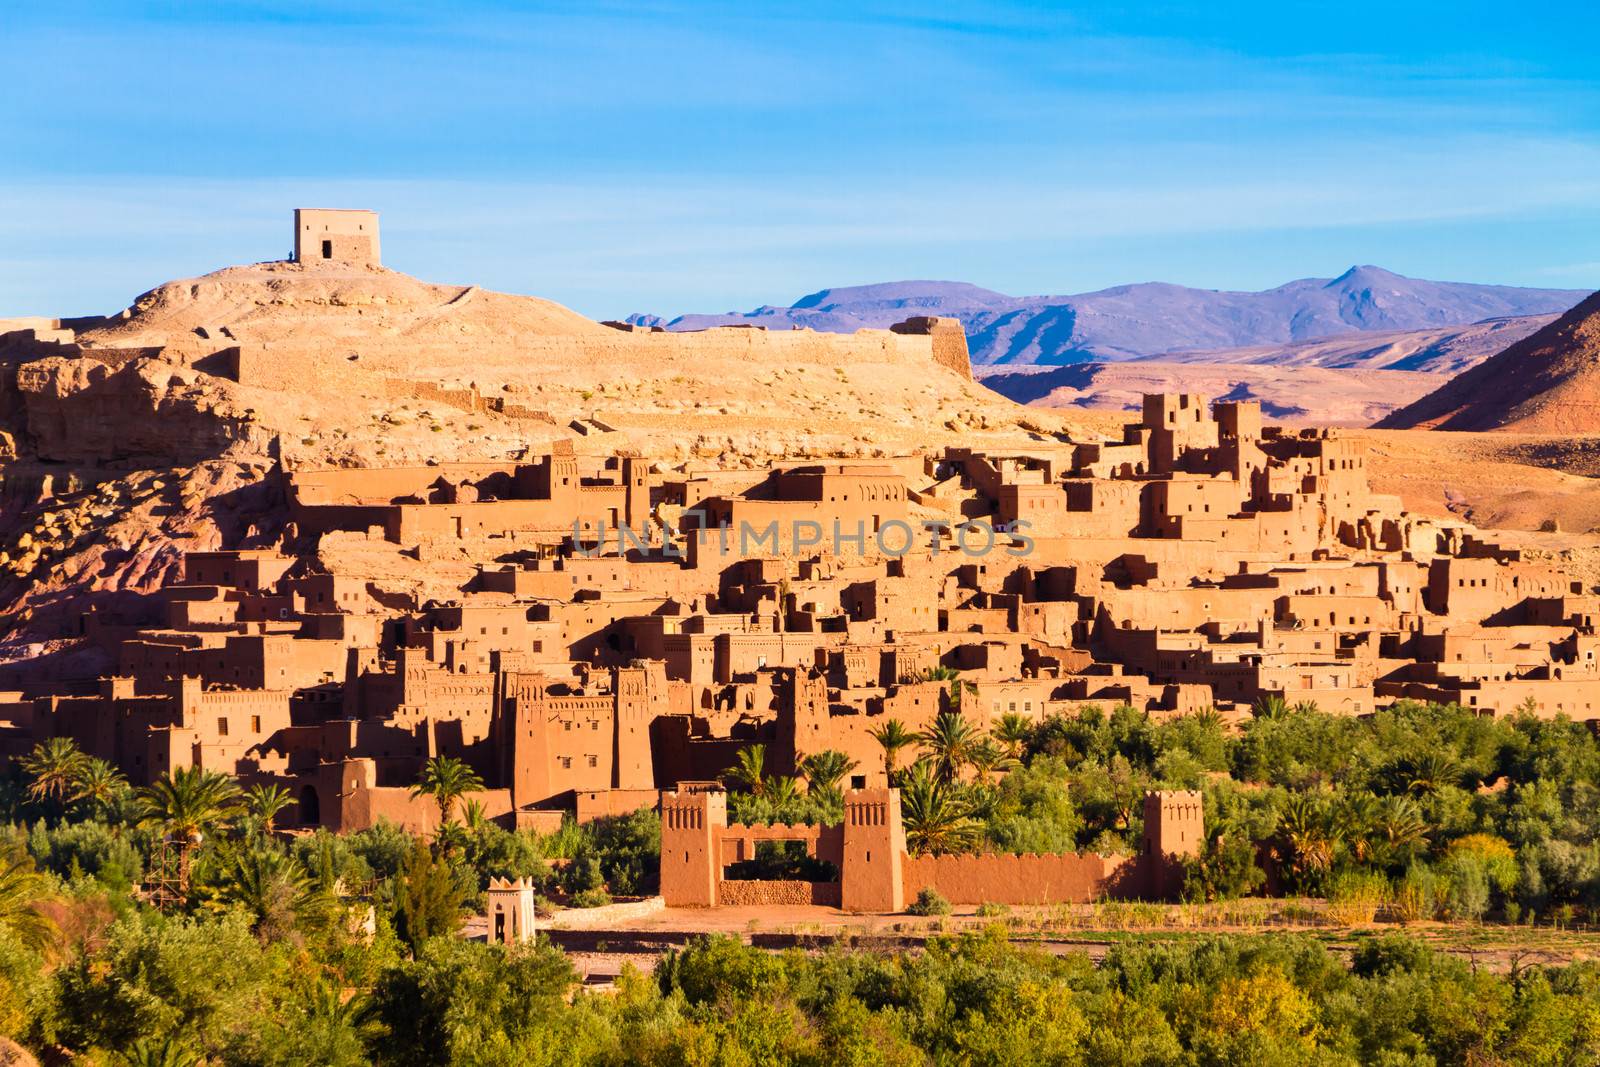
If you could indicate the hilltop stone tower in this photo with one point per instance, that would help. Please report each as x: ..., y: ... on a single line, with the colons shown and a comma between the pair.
x: 511, y: 915
x: 949, y: 340
x: 335, y: 235
x: 872, y: 877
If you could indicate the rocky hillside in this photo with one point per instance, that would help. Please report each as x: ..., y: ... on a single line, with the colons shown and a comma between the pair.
x: 1155, y: 320
x: 1546, y: 383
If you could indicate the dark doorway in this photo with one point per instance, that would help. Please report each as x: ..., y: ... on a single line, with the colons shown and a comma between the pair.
x: 327, y: 250
x: 310, y: 809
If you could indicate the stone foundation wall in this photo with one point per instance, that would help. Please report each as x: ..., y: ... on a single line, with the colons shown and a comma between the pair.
x: 606, y: 916
x: 737, y: 893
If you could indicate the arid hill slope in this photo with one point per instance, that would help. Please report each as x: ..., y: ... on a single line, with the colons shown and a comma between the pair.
x: 1305, y: 395
x: 1546, y: 383
x: 332, y: 351
x: 327, y: 303
x: 128, y: 440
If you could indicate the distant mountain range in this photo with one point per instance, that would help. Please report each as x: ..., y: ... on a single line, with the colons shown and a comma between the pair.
x: 1155, y: 320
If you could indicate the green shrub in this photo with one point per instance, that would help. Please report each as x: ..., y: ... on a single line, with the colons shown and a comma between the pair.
x: 591, y: 898
x: 929, y: 902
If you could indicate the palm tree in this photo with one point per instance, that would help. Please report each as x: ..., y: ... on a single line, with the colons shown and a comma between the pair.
x: 1426, y: 772
x: 987, y: 758
x: 98, y: 784
x: 1271, y: 706
x: 1311, y: 838
x: 326, y: 1005
x: 54, y: 766
x: 1013, y: 731
x: 934, y: 812
x: 264, y: 802
x: 749, y: 769
x: 893, y: 736
x: 955, y: 689
x: 21, y: 889
x: 1356, y: 819
x: 446, y: 779
x: 1399, y: 828
x: 950, y: 742
x: 781, y: 793
x: 148, y: 1052
x: 272, y: 888
x: 183, y: 805
x: 825, y: 770
x: 473, y: 815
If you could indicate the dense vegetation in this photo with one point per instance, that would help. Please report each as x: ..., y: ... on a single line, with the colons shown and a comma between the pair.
x: 1422, y: 810
x: 172, y: 991
x: 343, y: 949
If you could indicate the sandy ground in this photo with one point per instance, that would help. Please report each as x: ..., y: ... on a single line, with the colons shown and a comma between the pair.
x: 601, y: 955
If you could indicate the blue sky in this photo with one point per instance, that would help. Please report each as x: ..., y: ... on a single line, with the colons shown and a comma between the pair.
x: 674, y: 157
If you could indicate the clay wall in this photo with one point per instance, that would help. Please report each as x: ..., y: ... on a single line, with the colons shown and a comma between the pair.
x: 1003, y: 878
x: 363, y: 806
x: 253, y: 571
x: 595, y: 804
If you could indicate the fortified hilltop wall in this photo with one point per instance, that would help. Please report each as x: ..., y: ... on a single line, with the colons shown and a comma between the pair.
x: 188, y: 358
x: 286, y: 365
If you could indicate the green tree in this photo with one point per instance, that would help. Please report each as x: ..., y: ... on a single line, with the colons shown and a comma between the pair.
x: 1013, y: 731
x: 1032, y: 810
x: 935, y: 813
x: 466, y: 1002
x: 1399, y: 831
x: 825, y: 770
x: 749, y: 770
x: 1225, y: 868
x: 986, y: 758
x: 54, y: 768
x: 893, y: 736
x: 1424, y: 773
x: 428, y: 900
x: 98, y: 785
x: 263, y: 802
x: 22, y: 890
x: 950, y: 742
x: 1308, y: 841
x: 170, y: 1051
x: 446, y: 779
x: 272, y: 889
x: 186, y: 804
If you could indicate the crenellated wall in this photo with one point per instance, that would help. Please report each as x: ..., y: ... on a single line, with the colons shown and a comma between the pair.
x: 877, y: 875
